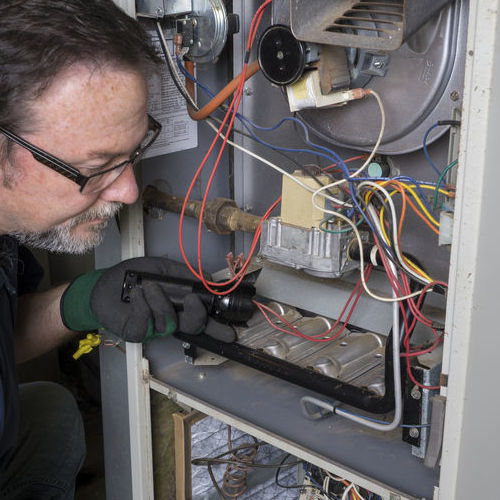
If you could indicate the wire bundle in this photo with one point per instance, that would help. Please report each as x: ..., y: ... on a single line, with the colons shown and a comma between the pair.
x: 379, y: 205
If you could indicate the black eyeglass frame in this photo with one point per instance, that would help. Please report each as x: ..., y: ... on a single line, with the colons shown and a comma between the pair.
x: 72, y: 173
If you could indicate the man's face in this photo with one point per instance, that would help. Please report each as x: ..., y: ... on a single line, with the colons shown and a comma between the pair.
x: 89, y: 118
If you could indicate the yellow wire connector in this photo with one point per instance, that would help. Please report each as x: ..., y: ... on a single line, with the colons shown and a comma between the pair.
x: 87, y: 344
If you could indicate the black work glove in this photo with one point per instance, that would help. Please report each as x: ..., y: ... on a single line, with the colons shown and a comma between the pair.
x: 93, y: 301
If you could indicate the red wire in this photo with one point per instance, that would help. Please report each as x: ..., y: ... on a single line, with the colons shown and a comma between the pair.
x: 231, y: 111
x: 358, y: 291
x: 406, y: 342
x: 241, y: 273
x: 360, y: 157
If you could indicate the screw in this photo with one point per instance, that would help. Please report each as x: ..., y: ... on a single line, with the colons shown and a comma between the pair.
x: 159, y: 12
x: 414, y: 432
x: 378, y: 64
x: 415, y: 393
x: 455, y: 95
x: 202, y: 375
x: 248, y: 91
x: 186, y: 345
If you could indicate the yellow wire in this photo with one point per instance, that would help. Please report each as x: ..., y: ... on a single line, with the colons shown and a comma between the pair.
x: 417, y: 269
x: 432, y: 188
x: 408, y: 261
x: 381, y: 217
x: 417, y: 199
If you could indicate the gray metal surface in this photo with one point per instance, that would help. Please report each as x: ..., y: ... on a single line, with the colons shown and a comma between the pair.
x: 257, y: 187
x: 347, y: 356
x: 431, y: 373
x: 126, y: 422
x: 117, y: 456
x: 422, y: 74
x: 160, y: 8
x: 210, y: 30
x: 317, y: 252
x: 325, y: 297
x: 471, y: 437
x: 416, y: 91
x: 273, y: 405
x: 337, y: 23
x: 173, y: 173
x: 114, y: 394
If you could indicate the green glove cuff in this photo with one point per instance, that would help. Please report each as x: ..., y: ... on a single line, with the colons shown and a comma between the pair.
x: 75, y: 303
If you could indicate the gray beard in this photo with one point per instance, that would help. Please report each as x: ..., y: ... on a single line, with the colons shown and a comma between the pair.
x: 60, y: 238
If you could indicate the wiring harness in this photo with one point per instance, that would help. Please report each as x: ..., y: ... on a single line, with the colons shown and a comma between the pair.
x: 380, y: 205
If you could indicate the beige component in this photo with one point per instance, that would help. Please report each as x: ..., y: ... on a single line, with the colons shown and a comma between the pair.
x: 296, y: 204
x: 306, y: 94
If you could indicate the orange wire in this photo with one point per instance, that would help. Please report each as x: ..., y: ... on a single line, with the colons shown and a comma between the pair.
x: 231, y: 112
x: 224, y: 94
x: 360, y: 157
x: 414, y: 208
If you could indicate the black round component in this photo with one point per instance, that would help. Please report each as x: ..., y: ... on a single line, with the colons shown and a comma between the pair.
x: 282, y: 58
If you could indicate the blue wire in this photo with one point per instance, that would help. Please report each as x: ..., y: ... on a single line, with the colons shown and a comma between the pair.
x: 404, y: 178
x: 330, y: 156
x: 187, y: 74
x: 426, y: 153
x: 328, y: 153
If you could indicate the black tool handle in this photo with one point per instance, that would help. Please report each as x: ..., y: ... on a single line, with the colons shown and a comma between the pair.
x: 235, y: 307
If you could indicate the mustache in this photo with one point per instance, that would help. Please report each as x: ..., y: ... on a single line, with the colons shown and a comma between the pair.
x: 101, y: 212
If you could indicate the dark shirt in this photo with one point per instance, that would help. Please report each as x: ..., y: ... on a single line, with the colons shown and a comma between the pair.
x: 9, y: 396
x: 19, y: 273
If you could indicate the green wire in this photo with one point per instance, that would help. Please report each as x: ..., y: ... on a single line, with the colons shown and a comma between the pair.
x: 440, y: 180
x: 346, y: 230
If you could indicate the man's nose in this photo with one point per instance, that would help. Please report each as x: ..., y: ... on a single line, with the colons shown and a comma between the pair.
x: 124, y: 189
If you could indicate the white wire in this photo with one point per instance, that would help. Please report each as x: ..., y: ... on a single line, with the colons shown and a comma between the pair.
x: 375, y: 220
x: 352, y: 486
x: 267, y: 162
x: 367, y: 161
x: 337, y: 214
x: 362, y: 260
x: 398, y: 404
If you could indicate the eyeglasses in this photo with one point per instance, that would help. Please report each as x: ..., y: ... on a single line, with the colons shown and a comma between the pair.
x: 94, y: 182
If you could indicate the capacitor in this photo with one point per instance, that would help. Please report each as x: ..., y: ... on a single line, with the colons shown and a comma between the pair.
x: 282, y: 58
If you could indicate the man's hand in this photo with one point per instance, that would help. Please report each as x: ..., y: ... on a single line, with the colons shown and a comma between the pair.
x: 93, y: 300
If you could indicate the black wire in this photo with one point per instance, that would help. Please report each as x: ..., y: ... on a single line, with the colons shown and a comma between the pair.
x: 391, y: 257
x: 295, y: 486
x: 306, y: 169
x: 172, y: 71
x: 383, y: 202
x: 189, y: 100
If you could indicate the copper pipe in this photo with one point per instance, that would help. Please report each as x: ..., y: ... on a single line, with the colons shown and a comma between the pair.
x: 226, y: 92
x: 221, y: 215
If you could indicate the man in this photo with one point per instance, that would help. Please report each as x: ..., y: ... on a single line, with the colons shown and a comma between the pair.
x: 73, y: 123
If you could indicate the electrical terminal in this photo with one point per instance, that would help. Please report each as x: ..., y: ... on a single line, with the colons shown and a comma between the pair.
x: 306, y: 94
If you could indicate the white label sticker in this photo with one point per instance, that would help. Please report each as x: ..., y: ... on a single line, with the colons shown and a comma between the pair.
x: 167, y: 105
